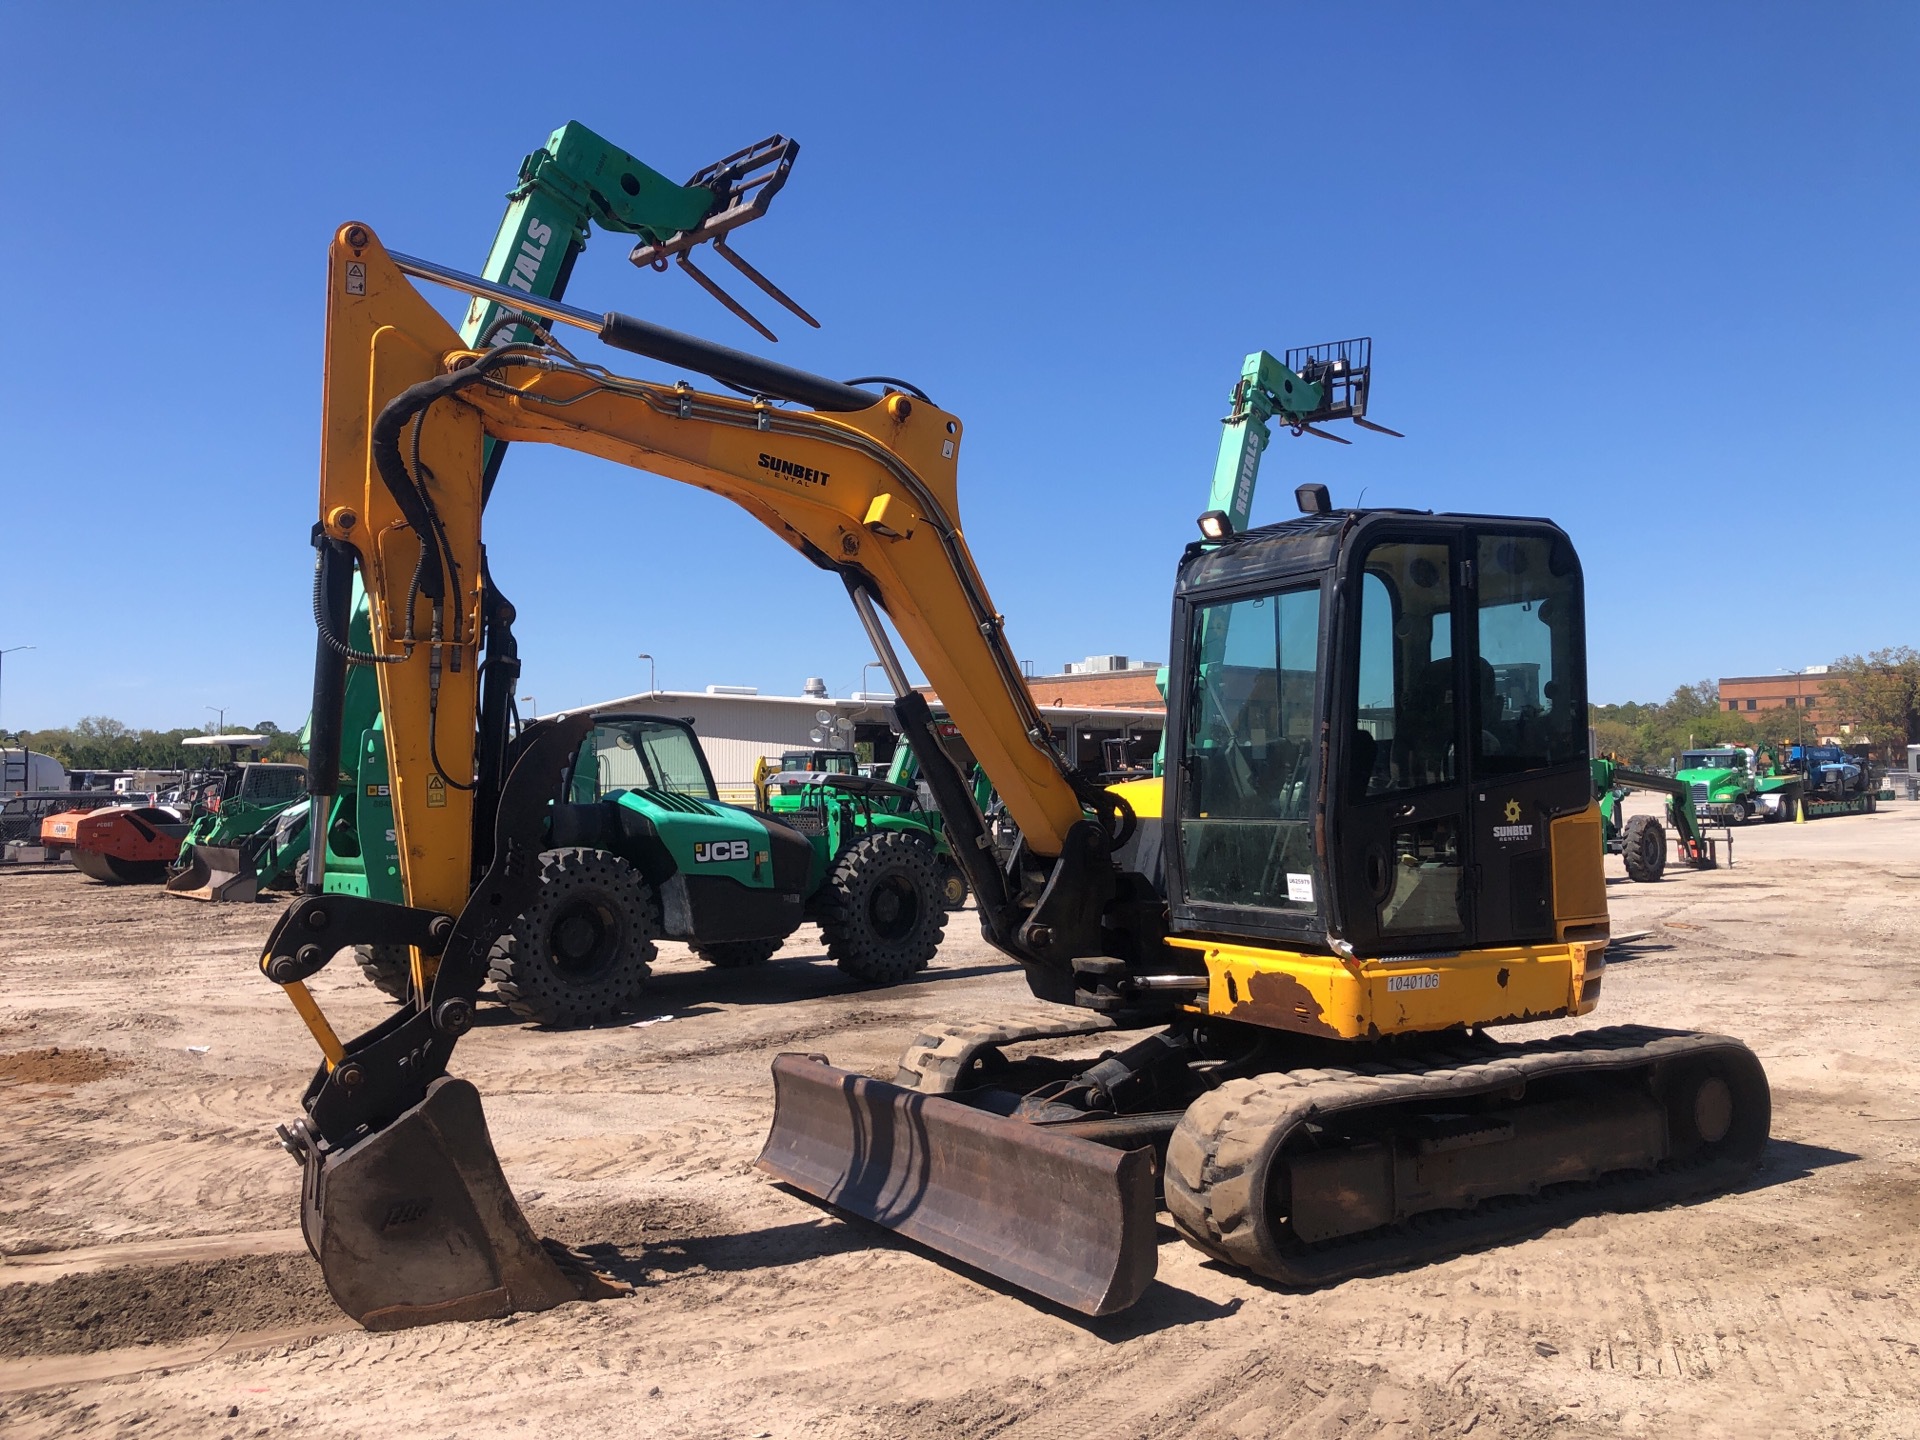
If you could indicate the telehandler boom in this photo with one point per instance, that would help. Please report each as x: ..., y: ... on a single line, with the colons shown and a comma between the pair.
x: 1371, y: 856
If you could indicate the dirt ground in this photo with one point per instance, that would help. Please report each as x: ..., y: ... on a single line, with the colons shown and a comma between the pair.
x: 152, y: 1280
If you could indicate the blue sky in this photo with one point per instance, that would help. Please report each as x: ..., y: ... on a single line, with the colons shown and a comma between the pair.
x: 1648, y: 270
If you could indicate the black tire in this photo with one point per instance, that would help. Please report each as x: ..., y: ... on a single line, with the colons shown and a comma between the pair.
x: 580, y: 953
x: 881, y: 910
x: 389, y: 967
x: 737, y: 954
x: 1743, y: 807
x: 1644, y: 848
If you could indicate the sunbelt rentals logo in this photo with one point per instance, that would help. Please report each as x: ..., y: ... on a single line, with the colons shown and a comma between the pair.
x: 1513, y: 830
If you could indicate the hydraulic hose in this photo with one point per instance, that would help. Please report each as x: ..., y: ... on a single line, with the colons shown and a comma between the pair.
x: 384, y: 446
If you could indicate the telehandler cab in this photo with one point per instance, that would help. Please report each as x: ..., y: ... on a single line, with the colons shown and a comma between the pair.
x: 1370, y: 855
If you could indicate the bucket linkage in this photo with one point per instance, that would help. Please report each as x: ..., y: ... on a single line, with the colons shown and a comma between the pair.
x: 403, y: 1201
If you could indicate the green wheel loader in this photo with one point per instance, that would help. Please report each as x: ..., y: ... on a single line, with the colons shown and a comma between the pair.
x: 235, y: 829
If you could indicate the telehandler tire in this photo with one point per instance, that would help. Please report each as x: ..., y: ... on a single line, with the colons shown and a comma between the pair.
x: 1644, y: 848
x: 389, y: 967
x: 581, y: 952
x: 737, y: 954
x: 882, y: 910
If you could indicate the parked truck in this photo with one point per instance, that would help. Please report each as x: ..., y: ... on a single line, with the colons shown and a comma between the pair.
x: 1725, y: 784
x: 1830, y: 781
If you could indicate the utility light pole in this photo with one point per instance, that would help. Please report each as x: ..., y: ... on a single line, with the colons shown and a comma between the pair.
x: 1799, y: 702
x: 221, y: 711
x: 533, y: 706
x: 652, y: 688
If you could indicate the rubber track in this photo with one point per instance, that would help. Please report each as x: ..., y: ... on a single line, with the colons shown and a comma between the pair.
x: 938, y: 1059
x: 1210, y: 1185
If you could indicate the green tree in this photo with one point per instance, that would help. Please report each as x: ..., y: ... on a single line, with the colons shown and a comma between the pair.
x: 100, y: 742
x: 1878, y: 694
x: 1649, y: 736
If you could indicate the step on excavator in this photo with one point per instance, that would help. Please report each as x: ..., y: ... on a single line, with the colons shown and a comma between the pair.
x: 1367, y: 864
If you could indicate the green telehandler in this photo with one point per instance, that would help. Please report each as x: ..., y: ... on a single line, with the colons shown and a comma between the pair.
x: 1640, y: 840
x: 643, y: 848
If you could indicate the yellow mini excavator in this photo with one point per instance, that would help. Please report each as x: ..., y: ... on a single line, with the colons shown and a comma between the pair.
x: 1375, y: 840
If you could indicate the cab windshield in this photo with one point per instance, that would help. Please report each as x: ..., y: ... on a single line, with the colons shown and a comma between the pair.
x: 1247, y: 804
x: 829, y: 762
x: 1713, y: 760
x: 640, y: 755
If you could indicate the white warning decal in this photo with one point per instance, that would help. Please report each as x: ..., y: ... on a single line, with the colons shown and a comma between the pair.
x: 356, y: 278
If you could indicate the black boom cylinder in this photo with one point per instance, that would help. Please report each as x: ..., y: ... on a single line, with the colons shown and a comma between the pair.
x: 333, y: 602
x: 736, y: 367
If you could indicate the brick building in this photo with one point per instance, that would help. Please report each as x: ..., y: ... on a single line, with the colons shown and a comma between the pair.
x: 1800, y: 690
x: 1096, y: 702
x: 1128, y: 689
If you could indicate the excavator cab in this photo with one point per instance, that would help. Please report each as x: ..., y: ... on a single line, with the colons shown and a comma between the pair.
x: 1410, y: 685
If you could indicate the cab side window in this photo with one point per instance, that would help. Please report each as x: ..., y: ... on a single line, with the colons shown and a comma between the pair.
x: 1406, y: 712
x: 1527, y: 716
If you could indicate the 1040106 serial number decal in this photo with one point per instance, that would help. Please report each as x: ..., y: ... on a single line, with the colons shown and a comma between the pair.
x: 1413, y: 982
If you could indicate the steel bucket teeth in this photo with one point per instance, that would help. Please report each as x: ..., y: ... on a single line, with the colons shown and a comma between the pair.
x: 415, y: 1224
x: 1065, y: 1218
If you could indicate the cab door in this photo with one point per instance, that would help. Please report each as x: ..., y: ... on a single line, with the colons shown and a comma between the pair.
x: 1527, y: 738
x: 1403, y: 823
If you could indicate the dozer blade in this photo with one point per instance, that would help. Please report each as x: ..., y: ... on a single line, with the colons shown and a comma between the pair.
x: 216, y: 872
x: 1066, y: 1218
x: 415, y: 1224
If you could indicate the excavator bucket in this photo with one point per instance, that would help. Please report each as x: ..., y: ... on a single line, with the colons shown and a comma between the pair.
x: 1063, y: 1217
x: 415, y: 1224
x: 216, y: 872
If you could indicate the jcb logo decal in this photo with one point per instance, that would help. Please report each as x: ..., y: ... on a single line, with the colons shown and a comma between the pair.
x: 713, y: 852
